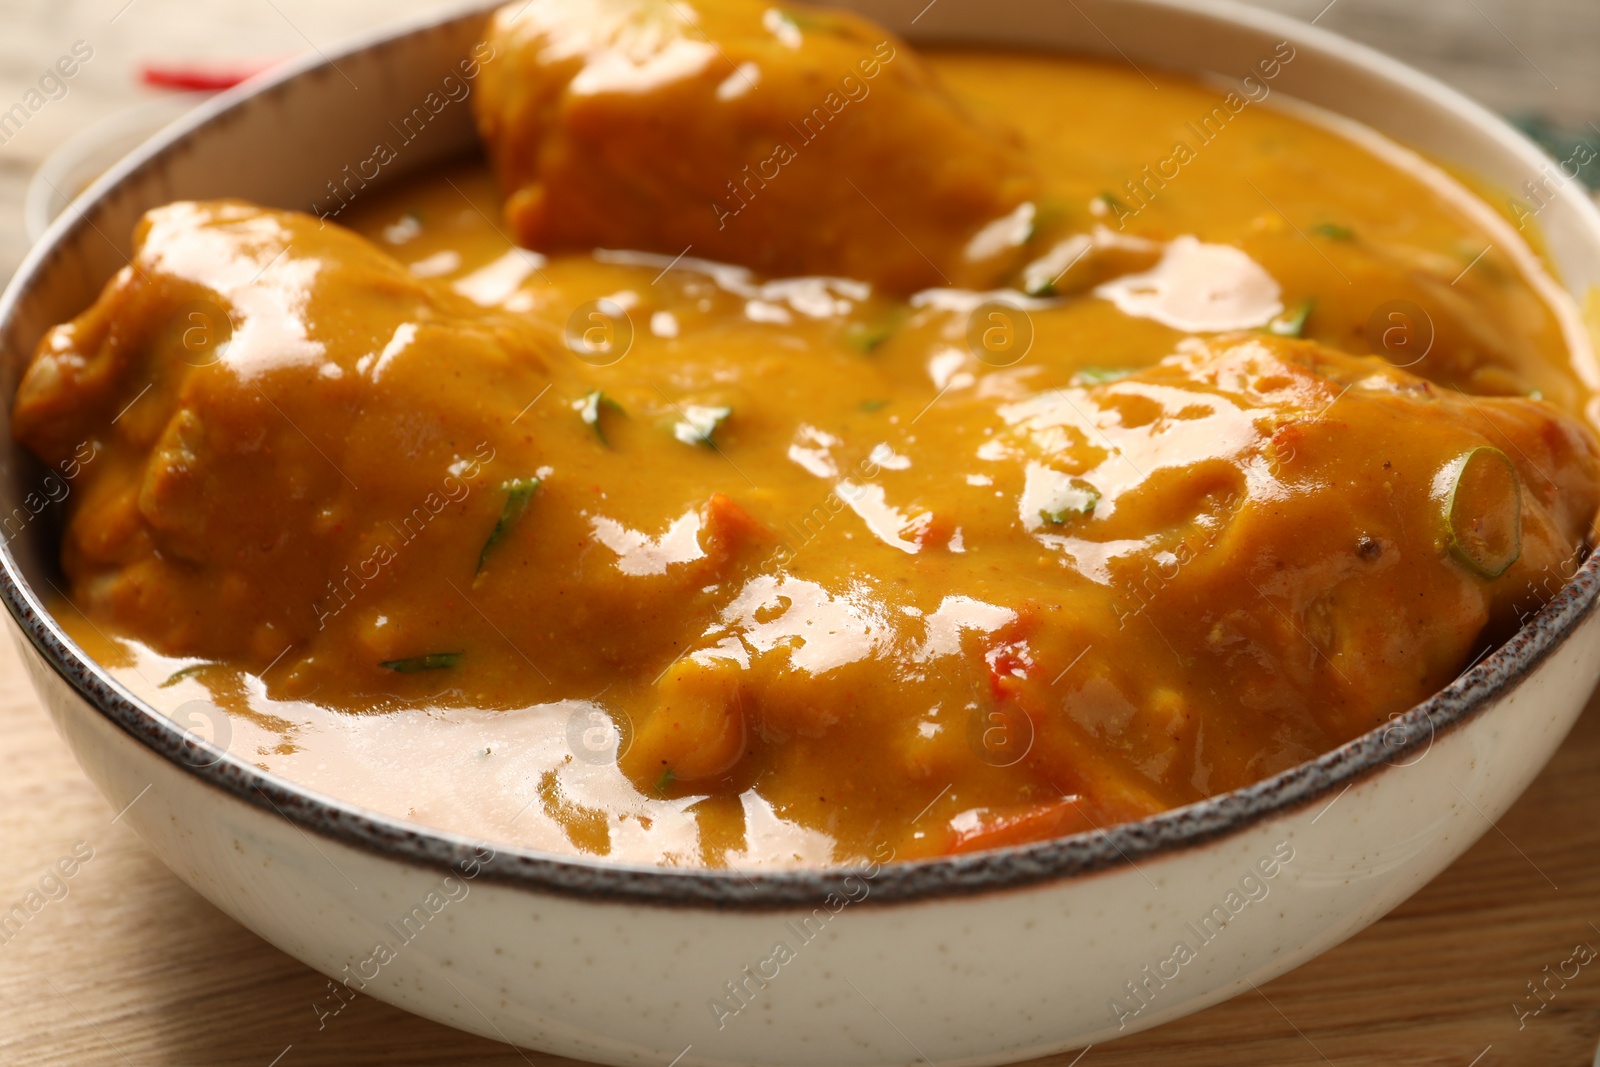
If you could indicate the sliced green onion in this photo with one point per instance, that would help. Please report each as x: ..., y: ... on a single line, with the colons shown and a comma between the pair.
x: 188, y: 672
x: 589, y: 409
x: 518, y: 492
x: 810, y: 20
x: 1484, y: 512
x: 699, y: 424
x: 1333, y: 231
x: 665, y: 781
x: 873, y: 405
x: 1111, y: 201
x: 1047, y: 215
x: 433, y: 661
x: 1100, y: 375
x: 1292, y: 323
x: 1073, y: 500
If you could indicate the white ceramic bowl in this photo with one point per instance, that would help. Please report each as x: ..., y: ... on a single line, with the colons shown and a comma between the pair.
x: 90, y: 152
x: 971, y: 960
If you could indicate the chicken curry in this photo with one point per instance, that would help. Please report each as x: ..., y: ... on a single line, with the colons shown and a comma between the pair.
x: 786, y: 444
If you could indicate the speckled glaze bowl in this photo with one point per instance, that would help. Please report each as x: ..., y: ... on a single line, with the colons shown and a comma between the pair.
x: 975, y: 960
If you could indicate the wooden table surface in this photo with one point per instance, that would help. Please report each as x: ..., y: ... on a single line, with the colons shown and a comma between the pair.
x: 131, y: 967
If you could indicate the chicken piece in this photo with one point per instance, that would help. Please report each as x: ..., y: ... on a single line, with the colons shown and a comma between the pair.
x: 1321, y: 539
x: 248, y: 383
x: 1262, y: 548
x: 789, y: 139
x: 292, y: 442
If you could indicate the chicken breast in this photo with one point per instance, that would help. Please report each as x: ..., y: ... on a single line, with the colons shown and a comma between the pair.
x: 788, y: 139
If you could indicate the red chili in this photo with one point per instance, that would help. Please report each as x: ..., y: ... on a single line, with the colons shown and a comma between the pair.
x: 201, y: 79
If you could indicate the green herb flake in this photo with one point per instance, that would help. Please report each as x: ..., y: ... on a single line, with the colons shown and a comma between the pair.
x: 188, y: 672
x: 518, y: 492
x: 809, y: 20
x: 1047, y: 216
x: 866, y: 337
x: 873, y: 405
x: 700, y: 424
x: 1101, y: 375
x: 590, y: 408
x: 1073, y: 500
x: 665, y: 781
x: 1292, y: 323
x: 433, y: 661
x: 1333, y: 231
x: 1112, y: 202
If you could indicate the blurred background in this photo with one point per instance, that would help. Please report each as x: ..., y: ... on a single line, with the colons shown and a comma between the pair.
x: 138, y: 969
x: 1533, y: 60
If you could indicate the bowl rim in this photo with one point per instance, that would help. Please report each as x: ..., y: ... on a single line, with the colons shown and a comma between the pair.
x: 1390, y: 746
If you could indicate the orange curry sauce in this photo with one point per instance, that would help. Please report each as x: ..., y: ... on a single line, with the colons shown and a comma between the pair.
x: 987, y: 503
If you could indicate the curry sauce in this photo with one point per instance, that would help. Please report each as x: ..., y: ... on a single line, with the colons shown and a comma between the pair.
x: 760, y: 522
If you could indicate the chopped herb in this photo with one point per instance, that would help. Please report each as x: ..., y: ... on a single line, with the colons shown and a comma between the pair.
x: 1047, y: 215
x: 433, y: 661
x: 1075, y: 499
x: 518, y: 492
x: 809, y: 20
x: 1111, y: 203
x: 874, y: 405
x: 188, y: 672
x: 1333, y: 231
x: 1101, y: 375
x: 865, y: 337
x: 1481, y: 264
x: 700, y: 424
x: 589, y: 409
x: 1292, y: 323
x: 665, y: 781
x: 1484, y: 512
x: 1043, y: 277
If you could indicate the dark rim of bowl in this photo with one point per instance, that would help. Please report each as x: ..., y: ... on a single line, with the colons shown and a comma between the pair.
x: 1398, y: 744
x: 1395, y: 745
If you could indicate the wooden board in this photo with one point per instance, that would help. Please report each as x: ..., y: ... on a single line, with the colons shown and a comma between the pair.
x: 130, y: 967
